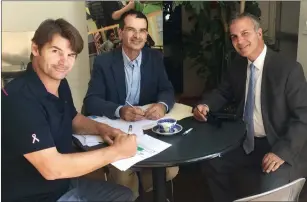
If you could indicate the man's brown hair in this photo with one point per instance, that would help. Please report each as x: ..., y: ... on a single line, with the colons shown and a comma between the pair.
x: 48, y: 28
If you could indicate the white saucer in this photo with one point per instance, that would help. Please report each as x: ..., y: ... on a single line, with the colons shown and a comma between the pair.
x: 177, y: 129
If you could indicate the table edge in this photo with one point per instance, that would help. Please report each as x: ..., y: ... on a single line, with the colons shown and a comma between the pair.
x: 193, y: 160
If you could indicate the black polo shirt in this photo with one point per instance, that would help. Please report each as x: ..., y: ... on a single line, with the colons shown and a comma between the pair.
x: 33, y: 120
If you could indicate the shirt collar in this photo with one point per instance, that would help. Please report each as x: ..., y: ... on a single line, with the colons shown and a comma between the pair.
x: 259, y: 62
x: 34, y: 82
x: 36, y: 85
x: 127, y: 60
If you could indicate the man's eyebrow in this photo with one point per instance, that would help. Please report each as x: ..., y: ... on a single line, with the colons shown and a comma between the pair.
x: 56, y: 48
x: 135, y: 28
x: 72, y: 53
x: 245, y: 30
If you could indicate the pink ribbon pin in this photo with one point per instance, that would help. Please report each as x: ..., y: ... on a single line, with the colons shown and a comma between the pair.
x: 34, y: 138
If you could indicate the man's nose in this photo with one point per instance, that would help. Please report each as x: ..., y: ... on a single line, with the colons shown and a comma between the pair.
x: 136, y: 34
x: 62, y: 60
x: 240, y: 39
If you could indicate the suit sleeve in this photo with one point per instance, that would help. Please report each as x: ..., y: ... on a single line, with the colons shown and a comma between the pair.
x: 220, y: 96
x: 95, y: 102
x: 290, y: 145
x: 165, y: 88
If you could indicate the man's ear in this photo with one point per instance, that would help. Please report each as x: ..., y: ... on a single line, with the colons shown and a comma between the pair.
x: 260, y: 32
x: 34, y: 49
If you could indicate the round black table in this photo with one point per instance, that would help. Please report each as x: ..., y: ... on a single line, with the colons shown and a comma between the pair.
x: 205, y: 141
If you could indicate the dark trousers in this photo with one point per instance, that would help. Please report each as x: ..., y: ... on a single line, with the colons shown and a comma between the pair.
x: 220, y: 171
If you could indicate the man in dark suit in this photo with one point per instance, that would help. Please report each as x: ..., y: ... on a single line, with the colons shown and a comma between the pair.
x: 130, y: 75
x: 270, y: 91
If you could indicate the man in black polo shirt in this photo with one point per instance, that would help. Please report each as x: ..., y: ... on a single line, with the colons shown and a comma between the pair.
x: 38, y: 119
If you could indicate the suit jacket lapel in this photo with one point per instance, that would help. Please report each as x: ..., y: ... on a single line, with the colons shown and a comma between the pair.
x: 119, y: 75
x: 145, y: 74
x: 264, y: 95
x: 243, y: 73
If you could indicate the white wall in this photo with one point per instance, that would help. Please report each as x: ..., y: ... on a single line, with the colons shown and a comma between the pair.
x: 265, y: 9
x: 268, y: 19
x: 25, y: 16
x: 302, y: 36
x: 289, y: 16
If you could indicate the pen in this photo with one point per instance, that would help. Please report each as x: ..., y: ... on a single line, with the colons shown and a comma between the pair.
x: 187, y: 131
x: 129, y: 104
x: 130, y: 130
x: 134, y: 107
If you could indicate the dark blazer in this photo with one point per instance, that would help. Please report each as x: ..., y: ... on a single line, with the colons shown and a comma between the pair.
x: 283, y: 104
x: 107, y: 87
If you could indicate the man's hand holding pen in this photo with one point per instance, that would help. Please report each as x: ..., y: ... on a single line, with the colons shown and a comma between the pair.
x: 131, y: 113
x: 126, y: 145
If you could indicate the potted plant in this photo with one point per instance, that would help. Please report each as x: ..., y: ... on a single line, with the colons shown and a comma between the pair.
x: 208, y: 43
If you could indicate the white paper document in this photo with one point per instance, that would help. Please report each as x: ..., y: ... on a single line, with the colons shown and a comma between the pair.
x: 137, y: 126
x: 147, y: 147
x: 89, y: 140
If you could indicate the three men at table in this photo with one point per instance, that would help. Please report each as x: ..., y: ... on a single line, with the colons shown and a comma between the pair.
x: 132, y: 74
x: 270, y: 91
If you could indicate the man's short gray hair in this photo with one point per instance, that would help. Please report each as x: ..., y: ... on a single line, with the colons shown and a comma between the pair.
x: 254, y: 19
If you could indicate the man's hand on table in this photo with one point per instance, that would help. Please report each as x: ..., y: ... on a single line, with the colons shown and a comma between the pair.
x: 129, y: 113
x: 108, y: 134
x: 155, y: 111
x: 200, y: 112
x: 271, y: 162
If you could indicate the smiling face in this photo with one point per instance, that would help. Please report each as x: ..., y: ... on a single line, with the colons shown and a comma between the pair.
x: 246, y: 39
x: 55, y: 59
x: 134, y: 33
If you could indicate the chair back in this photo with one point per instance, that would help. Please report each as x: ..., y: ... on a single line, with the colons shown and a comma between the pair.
x: 288, y: 192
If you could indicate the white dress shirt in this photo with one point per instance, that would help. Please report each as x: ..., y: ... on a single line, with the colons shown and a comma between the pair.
x: 133, y: 81
x: 258, y: 121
